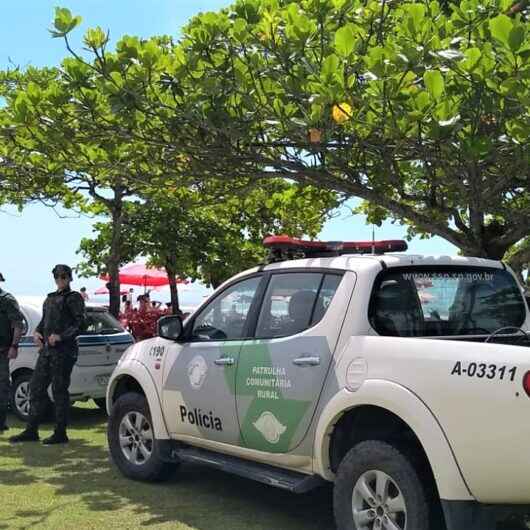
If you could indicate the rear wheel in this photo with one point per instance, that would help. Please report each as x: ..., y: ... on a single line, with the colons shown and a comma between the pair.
x: 377, y: 488
x: 19, y: 397
x: 132, y: 442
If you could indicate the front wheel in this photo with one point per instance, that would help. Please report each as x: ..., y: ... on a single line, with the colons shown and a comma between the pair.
x: 377, y: 488
x: 19, y: 397
x: 132, y: 442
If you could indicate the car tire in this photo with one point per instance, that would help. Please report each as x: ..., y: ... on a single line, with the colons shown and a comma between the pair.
x: 101, y: 403
x: 374, y: 468
x: 137, y: 457
x: 19, y: 397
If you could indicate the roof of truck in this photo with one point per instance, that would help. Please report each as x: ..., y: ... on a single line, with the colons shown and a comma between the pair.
x: 368, y: 262
x: 358, y: 262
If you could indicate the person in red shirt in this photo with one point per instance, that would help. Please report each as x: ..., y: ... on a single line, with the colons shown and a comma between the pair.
x: 143, y: 322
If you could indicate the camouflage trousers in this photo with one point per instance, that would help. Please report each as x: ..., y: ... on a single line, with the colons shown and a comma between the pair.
x: 55, y: 368
x: 4, y: 385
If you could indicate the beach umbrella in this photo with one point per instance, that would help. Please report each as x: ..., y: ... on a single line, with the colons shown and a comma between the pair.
x: 143, y: 276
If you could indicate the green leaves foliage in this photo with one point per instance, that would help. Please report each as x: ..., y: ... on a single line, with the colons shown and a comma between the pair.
x: 96, y: 38
x: 64, y: 22
x: 439, y: 99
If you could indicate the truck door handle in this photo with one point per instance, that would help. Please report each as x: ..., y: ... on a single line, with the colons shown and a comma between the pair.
x: 310, y: 360
x: 225, y: 361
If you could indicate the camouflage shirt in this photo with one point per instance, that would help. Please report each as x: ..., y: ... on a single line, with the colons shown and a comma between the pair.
x: 63, y: 314
x: 10, y: 318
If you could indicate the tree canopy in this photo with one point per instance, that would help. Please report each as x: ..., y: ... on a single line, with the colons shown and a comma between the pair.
x: 421, y: 111
x: 209, y: 237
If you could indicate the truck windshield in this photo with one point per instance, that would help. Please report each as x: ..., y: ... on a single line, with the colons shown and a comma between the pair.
x: 448, y: 301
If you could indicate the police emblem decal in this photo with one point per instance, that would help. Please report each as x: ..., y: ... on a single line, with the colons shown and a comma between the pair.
x: 269, y: 426
x: 197, y: 371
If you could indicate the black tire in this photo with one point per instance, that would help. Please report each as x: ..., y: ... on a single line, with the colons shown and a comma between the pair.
x: 379, y: 456
x: 101, y: 403
x: 22, y: 381
x: 154, y: 469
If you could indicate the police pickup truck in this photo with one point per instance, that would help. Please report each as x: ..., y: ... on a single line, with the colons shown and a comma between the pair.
x: 402, y: 379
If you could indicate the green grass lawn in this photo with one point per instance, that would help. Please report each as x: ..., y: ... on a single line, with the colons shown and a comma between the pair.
x: 76, y: 487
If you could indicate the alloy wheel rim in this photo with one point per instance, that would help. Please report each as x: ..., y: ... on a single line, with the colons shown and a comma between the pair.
x: 22, y: 398
x: 378, y: 503
x: 136, y: 438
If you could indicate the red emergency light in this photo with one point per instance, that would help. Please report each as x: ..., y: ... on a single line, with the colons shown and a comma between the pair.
x: 286, y: 247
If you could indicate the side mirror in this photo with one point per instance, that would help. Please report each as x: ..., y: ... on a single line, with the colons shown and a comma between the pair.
x: 170, y: 327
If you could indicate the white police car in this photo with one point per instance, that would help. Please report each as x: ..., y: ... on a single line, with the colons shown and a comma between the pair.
x: 100, y: 348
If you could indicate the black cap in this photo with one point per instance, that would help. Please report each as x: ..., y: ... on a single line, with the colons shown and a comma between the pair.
x: 62, y: 269
x: 2, y: 279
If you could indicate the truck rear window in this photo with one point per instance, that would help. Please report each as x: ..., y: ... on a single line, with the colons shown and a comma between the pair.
x: 451, y: 301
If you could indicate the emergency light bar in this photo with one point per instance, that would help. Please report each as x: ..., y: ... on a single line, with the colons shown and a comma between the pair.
x: 285, y: 247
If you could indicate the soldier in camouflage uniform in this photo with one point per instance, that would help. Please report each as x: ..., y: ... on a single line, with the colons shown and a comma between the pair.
x: 11, y: 329
x: 62, y: 321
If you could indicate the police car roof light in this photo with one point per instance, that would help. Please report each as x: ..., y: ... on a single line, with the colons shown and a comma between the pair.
x: 285, y: 247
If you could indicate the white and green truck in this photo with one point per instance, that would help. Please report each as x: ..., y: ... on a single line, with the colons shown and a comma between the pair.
x: 402, y: 379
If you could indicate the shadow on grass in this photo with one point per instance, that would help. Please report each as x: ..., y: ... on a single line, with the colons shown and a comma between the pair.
x: 198, y: 497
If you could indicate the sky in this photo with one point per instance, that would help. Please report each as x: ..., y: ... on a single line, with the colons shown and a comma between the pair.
x: 33, y: 241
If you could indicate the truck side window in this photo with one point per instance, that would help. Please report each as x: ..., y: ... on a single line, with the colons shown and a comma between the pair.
x: 294, y: 302
x: 225, y: 317
x: 327, y: 292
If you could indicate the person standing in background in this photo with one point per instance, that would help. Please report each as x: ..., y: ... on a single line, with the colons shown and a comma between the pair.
x: 84, y: 294
x: 63, y: 319
x: 11, y: 329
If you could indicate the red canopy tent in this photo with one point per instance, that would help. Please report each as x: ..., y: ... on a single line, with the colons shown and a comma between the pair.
x: 140, y: 274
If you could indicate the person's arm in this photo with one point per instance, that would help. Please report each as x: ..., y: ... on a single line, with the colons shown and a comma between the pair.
x: 76, y: 305
x: 16, y: 318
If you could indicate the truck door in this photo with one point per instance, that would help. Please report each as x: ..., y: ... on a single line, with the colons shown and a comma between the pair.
x: 199, y: 390
x: 281, y: 373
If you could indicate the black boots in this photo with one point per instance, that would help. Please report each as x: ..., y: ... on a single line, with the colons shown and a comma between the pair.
x: 32, y: 435
x: 3, y: 427
x: 58, y: 437
x: 27, y: 435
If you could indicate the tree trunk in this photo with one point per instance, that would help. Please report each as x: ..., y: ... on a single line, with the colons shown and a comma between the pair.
x: 114, y: 261
x: 171, y: 275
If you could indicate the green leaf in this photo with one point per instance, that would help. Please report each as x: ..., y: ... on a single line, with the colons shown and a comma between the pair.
x: 416, y: 17
x: 240, y: 27
x: 472, y: 59
x: 95, y: 38
x: 345, y: 40
x: 500, y: 28
x: 22, y: 109
x: 516, y: 37
x: 330, y: 66
x: 64, y: 22
x: 422, y: 100
x: 434, y: 82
